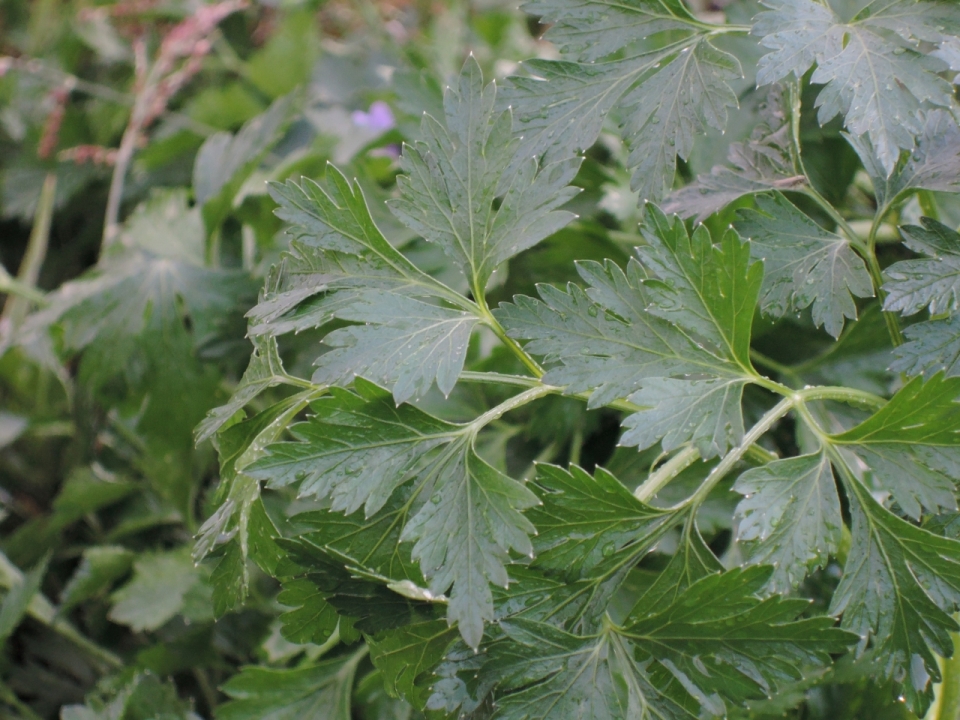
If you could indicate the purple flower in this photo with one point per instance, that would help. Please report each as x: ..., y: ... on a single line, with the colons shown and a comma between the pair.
x: 380, y: 117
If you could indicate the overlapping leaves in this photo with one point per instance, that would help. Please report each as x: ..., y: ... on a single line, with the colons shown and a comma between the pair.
x: 672, y: 333
x: 878, y: 69
x: 715, y: 641
x: 657, y: 66
x: 463, y: 517
x: 407, y: 329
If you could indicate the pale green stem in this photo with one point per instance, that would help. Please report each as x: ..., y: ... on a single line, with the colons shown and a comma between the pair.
x: 508, y: 341
x: 770, y: 418
x: 527, y: 396
x: 771, y: 364
x: 947, y: 703
x: 843, y: 394
x: 576, y: 446
x: 667, y: 472
x: 17, y: 305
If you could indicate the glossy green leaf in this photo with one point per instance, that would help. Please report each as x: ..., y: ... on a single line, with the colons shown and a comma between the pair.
x: 358, y: 449
x: 789, y: 517
x: 457, y: 170
x: 931, y: 282
x: 804, y: 264
x: 319, y: 690
x: 873, y: 69
x: 912, y: 445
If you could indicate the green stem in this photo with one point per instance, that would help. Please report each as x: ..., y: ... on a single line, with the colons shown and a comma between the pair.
x: 10, y: 698
x: 759, y: 455
x: 9, y: 285
x: 494, y: 378
x: 854, y: 239
x: 947, y: 706
x: 509, y: 342
x: 843, y: 394
x: 876, y: 276
x: 770, y: 418
x: 576, y: 446
x: 527, y: 396
x: 667, y: 472
x: 770, y: 363
x: 18, y: 303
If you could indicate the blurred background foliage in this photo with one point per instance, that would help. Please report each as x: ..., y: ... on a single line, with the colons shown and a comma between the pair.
x: 136, y: 139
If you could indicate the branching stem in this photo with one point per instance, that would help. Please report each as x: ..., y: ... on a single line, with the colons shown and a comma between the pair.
x: 666, y: 472
x: 770, y: 418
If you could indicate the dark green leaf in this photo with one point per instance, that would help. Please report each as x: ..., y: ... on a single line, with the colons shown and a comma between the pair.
x: 404, y: 656
x: 320, y: 690
x: 789, y: 518
x: 586, y: 522
x: 100, y: 567
x: 668, y: 95
x: 312, y: 620
x: 454, y: 174
x: 225, y: 161
x: 912, y: 445
x: 932, y: 282
x: 359, y: 449
x: 17, y: 600
x: 899, y: 587
x: 931, y: 347
x: 157, y: 592
x: 934, y: 164
x: 760, y: 164
x: 872, y: 69
x: 804, y: 265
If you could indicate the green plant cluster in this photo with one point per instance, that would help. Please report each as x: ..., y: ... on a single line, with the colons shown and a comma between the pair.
x: 622, y: 387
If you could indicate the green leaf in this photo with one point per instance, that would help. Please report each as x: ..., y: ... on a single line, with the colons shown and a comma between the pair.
x: 17, y: 600
x: 587, y: 522
x: 312, y: 620
x: 603, y: 338
x: 760, y: 164
x: 549, y: 673
x: 399, y: 341
x: 872, y: 68
x: 455, y: 173
x: 715, y: 641
x: 934, y: 164
x: 402, y: 343
x: 725, y: 641
x: 789, y: 517
x: 709, y: 291
x: 359, y: 448
x: 912, y: 445
x: 320, y: 690
x: 264, y: 371
x: 225, y: 161
x: 932, y: 282
x: 576, y: 27
x: 407, y: 655
x: 705, y: 413
x: 143, y: 697
x: 692, y: 562
x: 336, y: 246
x: 157, y: 592
x: 137, y: 302
x: 100, y: 567
x: 899, y: 588
x: 931, y: 347
x: 804, y: 265
x: 241, y: 523
x: 360, y: 570
x: 680, y: 316
x: 669, y: 89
